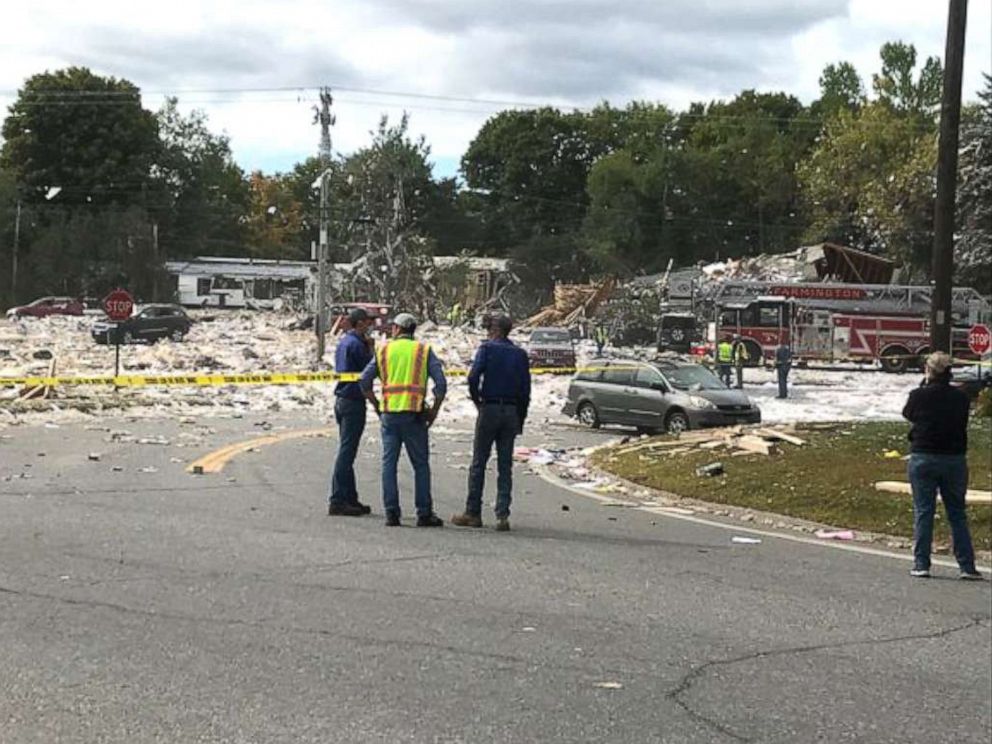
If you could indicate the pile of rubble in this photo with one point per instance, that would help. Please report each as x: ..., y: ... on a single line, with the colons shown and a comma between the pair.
x: 234, y: 342
x: 574, y: 303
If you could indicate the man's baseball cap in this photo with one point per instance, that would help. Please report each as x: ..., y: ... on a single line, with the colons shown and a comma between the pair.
x: 405, y: 321
x: 357, y: 315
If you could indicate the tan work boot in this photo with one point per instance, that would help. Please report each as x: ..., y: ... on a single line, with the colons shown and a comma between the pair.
x: 503, y: 524
x: 466, y: 520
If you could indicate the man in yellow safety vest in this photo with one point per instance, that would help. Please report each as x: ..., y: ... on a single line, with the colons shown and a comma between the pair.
x: 741, y: 357
x: 724, y: 358
x: 403, y: 365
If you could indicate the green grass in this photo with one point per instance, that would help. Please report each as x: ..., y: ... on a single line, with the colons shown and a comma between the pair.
x: 830, y: 480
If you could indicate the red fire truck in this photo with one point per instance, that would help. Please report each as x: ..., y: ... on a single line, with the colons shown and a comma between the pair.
x: 883, y: 323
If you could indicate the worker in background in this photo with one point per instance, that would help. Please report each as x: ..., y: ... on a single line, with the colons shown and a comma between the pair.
x: 740, y: 357
x: 601, y: 337
x: 499, y: 384
x: 403, y: 365
x: 783, y: 363
x: 355, y: 350
x: 938, y: 412
x: 455, y: 315
x: 724, y: 358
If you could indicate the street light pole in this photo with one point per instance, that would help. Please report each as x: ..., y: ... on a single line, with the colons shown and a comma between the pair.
x: 322, y: 264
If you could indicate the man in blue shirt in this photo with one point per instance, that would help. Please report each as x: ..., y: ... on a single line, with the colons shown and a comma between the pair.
x: 353, y: 354
x: 499, y: 384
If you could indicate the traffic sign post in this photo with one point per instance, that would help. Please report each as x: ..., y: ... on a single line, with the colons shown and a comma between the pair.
x: 979, y: 339
x: 118, y: 305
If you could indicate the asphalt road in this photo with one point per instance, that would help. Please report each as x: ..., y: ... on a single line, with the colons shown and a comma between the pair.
x: 161, y: 606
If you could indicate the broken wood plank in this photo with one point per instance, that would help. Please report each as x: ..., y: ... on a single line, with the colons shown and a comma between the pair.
x: 753, y: 443
x: 776, y: 434
x: 972, y: 495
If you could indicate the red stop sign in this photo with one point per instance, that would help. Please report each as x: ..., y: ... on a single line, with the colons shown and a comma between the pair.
x: 979, y: 338
x: 118, y: 305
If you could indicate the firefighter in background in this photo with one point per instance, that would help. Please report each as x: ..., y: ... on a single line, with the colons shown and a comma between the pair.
x: 601, y: 337
x: 740, y: 357
x: 783, y: 363
x: 724, y: 358
x: 455, y: 315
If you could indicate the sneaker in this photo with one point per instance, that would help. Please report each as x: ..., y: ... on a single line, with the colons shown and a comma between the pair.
x: 431, y: 520
x: 466, y: 520
x: 920, y: 573
x: 392, y: 519
x: 345, y: 510
x: 972, y: 575
x: 503, y: 524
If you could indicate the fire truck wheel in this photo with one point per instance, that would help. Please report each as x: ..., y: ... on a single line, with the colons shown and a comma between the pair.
x: 588, y: 415
x: 896, y: 359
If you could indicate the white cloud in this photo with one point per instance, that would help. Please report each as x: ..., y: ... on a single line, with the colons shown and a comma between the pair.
x: 564, y: 52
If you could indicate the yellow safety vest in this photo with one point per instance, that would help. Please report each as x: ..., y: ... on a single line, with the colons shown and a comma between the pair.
x: 724, y: 353
x: 403, y: 371
x: 740, y: 353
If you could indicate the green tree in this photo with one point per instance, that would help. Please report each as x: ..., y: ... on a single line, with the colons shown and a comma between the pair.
x: 973, y: 247
x: 898, y: 87
x: 841, y: 89
x: 870, y: 184
x: 86, y: 134
x: 201, y: 195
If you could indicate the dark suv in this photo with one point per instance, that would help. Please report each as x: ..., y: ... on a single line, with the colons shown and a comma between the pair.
x: 550, y: 347
x: 149, y: 324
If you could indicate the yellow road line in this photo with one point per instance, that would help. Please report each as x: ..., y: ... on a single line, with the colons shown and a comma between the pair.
x: 215, y: 461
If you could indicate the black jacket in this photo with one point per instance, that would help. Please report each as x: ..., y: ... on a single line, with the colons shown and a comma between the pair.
x: 939, y: 414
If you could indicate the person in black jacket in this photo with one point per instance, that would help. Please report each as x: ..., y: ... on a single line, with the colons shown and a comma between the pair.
x: 938, y: 461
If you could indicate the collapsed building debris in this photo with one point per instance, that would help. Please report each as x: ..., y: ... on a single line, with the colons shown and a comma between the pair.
x: 738, y: 440
x: 573, y: 304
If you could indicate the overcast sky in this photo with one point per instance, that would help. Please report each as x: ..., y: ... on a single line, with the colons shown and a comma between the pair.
x: 254, y: 66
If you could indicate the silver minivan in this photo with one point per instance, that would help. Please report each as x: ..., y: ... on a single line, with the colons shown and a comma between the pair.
x: 668, y: 395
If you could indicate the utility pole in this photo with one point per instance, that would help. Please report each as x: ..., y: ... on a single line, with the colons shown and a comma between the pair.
x: 947, y: 170
x: 326, y: 119
x: 13, y: 260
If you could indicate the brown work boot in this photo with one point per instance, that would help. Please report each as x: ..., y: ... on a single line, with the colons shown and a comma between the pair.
x: 503, y: 524
x: 466, y: 520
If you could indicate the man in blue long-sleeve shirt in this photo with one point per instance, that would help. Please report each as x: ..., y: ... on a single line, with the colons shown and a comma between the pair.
x: 499, y: 384
x: 353, y: 354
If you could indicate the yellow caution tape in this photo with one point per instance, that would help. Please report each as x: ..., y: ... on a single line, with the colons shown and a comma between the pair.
x: 273, y: 378
x: 202, y: 380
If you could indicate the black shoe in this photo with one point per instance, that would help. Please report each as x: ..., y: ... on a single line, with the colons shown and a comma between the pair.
x: 345, y: 510
x: 431, y: 520
x: 392, y: 519
x: 366, y: 509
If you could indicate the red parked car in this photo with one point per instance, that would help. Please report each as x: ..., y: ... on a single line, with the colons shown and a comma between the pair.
x: 47, y: 306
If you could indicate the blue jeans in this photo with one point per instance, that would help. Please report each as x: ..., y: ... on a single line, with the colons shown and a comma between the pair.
x: 408, y: 430
x: 350, y: 416
x: 948, y: 474
x: 497, y: 424
x: 723, y: 370
x: 783, y: 381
